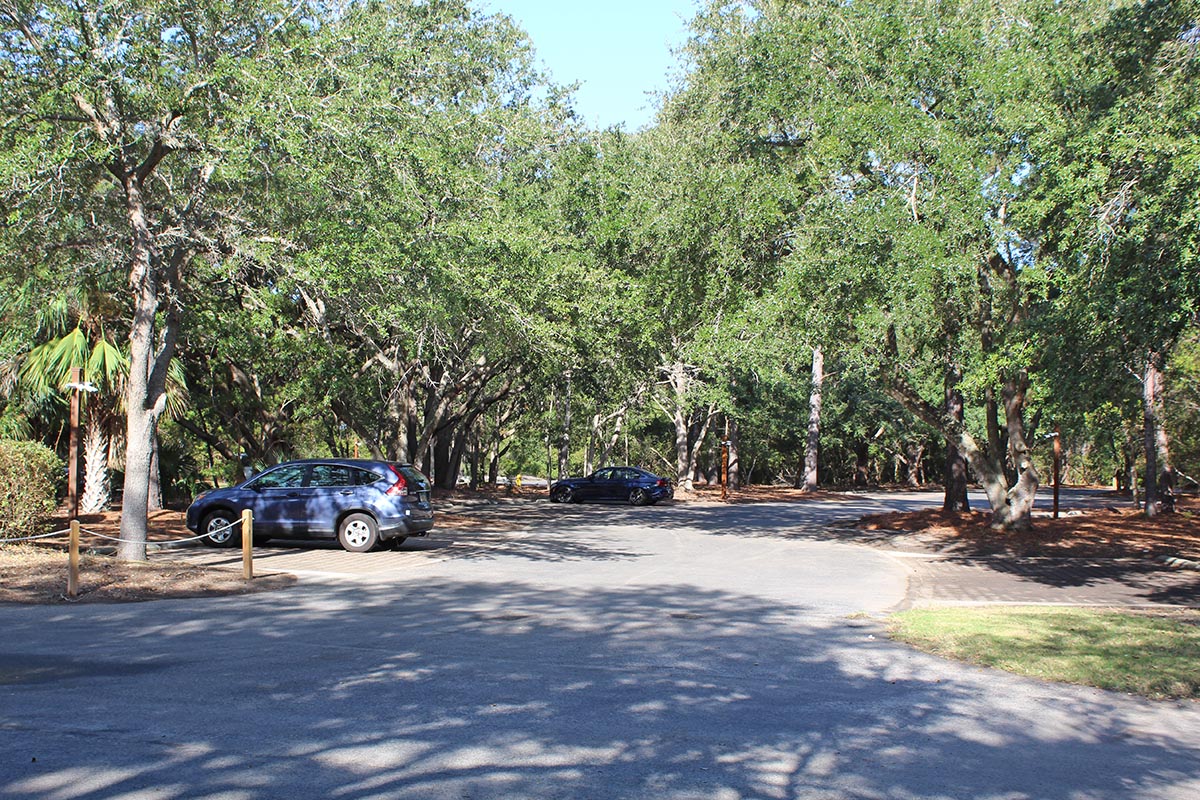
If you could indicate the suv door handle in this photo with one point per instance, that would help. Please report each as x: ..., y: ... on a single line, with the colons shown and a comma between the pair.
x: 346, y: 492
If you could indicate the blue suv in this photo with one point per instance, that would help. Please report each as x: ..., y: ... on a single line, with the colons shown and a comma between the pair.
x: 361, y: 503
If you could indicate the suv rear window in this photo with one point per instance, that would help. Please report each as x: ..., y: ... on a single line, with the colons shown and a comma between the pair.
x: 416, y: 480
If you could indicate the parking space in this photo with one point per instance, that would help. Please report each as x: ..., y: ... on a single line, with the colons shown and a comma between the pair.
x: 327, y: 559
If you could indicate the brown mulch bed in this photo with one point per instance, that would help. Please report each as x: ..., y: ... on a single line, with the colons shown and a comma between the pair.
x: 1103, y: 533
x: 38, y: 574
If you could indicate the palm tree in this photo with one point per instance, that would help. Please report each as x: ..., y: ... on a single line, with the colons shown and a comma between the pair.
x: 45, y: 371
x: 75, y: 321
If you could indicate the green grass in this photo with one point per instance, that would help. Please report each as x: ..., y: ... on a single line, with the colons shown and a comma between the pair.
x: 1155, y: 655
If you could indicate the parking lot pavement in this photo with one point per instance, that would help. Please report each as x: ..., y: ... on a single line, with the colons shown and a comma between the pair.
x: 537, y: 530
x: 327, y: 559
x: 668, y: 653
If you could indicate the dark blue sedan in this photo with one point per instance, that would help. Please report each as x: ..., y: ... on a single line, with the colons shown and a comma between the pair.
x: 626, y: 484
x: 360, y: 503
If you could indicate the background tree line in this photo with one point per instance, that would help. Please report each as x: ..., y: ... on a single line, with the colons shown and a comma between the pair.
x: 888, y: 240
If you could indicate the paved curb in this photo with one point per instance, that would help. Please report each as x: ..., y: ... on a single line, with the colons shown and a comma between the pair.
x: 1179, y: 563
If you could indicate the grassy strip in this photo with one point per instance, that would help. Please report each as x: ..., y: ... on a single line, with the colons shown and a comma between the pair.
x: 1155, y: 655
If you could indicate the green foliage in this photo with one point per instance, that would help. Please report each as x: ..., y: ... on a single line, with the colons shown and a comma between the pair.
x: 30, y: 475
x: 1183, y: 407
x: 392, y: 233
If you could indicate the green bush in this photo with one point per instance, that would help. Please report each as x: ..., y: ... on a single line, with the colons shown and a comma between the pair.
x: 29, y: 473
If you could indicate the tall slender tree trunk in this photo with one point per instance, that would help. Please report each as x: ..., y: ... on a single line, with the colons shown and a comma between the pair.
x: 697, y: 433
x: 678, y: 380
x: 956, y: 466
x: 154, y: 498
x: 812, y: 446
x: 733, y: 436
x: 1152, y: 384
x: 862, y: 463
x: 564, y: 434
x: 914, y: 455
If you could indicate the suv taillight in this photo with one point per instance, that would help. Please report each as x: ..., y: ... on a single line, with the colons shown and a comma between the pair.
x: 400, y: 487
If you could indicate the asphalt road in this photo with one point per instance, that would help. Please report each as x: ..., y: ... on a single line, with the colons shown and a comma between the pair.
x: 588, y: 652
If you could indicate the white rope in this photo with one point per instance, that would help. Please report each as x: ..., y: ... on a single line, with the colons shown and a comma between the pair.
x: 32, y: 538
x: 106, y: 537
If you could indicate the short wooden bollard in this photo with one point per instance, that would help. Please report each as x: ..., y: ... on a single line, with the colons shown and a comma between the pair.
x: 247, y: 544
x: 73, y: 560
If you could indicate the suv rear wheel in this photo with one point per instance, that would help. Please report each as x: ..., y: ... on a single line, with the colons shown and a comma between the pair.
x: 358, y: 533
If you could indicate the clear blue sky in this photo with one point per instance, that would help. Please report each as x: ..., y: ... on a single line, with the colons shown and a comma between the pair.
x: 618, y: 50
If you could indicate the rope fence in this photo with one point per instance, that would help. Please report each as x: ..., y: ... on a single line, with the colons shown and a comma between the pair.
x: 35, y: 538
x: 246, y: 523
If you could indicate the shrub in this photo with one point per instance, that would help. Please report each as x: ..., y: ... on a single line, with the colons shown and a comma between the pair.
x: 29, y: 473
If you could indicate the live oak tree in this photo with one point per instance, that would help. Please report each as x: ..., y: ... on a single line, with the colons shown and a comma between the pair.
x: 116, y: 117
x: 1118, y: 201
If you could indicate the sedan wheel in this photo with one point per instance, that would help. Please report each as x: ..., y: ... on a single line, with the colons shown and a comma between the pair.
x: 358, y: 533
x: 222, y: 529
x: 562, y: 495
x: 638, y: 497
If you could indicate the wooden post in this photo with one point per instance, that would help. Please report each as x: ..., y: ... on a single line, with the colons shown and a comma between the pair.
x: 73, y: 448
x: 1057, y: 466
x: 247, y: 544
x: 724, y: 470
x: 73, y: 560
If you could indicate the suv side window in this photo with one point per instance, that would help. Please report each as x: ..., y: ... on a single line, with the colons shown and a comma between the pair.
x: 326, y: 475
x: 282, y: 478
x: 362, y: 477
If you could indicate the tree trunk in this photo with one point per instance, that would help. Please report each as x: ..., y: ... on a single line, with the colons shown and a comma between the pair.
x: 1011, y: 503
x: 154, y: 498
x: 564, y: 436
x: 915, y: 453
x: 697, y: 433
x: 862, y: 464
x: 732, y: 436
x: 677, y: 378
x: 1152, y: 384
x: 589, y: 456
x: 1017, y: 511
x: 97, y: 487
x: 956, y: 466
x: 814, y: 421
x: 145, y: 391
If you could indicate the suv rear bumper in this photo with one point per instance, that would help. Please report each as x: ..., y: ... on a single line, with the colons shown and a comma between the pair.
x: 407, y: 526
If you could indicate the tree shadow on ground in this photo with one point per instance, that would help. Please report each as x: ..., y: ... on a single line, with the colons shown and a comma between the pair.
x: 511, y: 690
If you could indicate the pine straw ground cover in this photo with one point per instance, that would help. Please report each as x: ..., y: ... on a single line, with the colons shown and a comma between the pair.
x: 38, y: 574
x: 1114, y: 532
